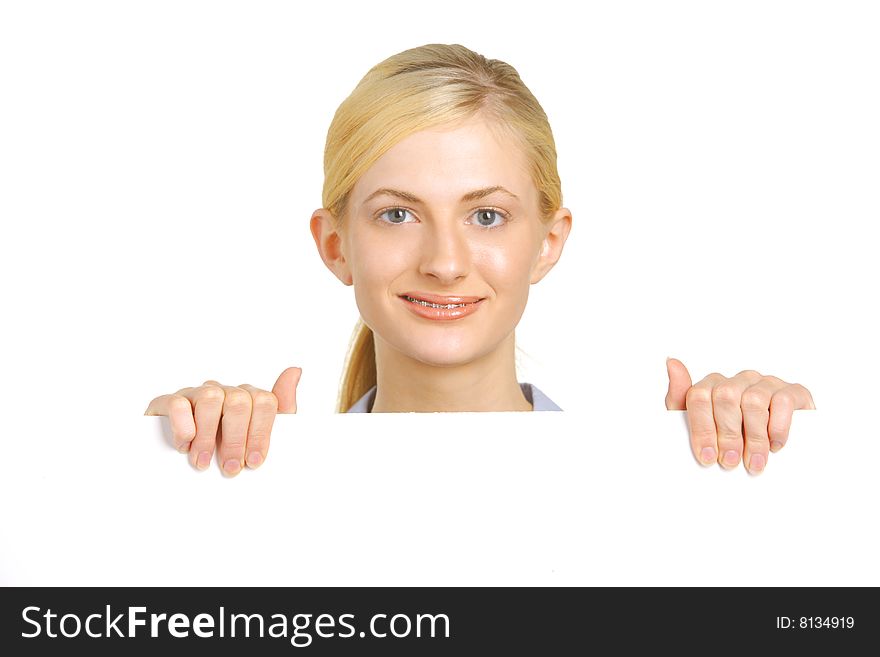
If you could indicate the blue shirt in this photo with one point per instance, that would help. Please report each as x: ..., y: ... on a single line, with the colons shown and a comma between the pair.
x: 538, y: 400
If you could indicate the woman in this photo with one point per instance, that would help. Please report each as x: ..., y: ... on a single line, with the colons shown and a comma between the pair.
x: 442, y: 206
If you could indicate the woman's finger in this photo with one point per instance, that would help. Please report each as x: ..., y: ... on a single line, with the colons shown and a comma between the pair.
x: 783, y: 403
x: 179, y: 412
x: 237, y: 407
x: 701, y: 420
x: 265, y: 407
x: 206, y: 406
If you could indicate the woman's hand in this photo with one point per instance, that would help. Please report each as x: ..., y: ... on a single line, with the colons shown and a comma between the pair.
x: 743, y: 417
x: 238, y: 419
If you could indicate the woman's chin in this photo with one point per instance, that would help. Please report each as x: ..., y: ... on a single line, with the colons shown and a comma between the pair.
x: 440, y: 355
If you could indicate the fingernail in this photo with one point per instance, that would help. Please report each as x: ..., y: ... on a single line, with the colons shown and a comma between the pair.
x: 708, y: 455
x: 254, y: 459
x: 183, y: 449
x: 756, y: 463
x: 775, y: 446
x: 204, y: 460
x: 731, y: 457
x: 232, y: 466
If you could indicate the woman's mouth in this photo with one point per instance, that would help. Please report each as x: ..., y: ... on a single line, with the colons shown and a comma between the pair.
x: 434, y: 306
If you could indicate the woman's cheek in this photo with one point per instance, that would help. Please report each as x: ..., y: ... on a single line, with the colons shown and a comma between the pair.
x: 507, y: 270
x: 374, y: 275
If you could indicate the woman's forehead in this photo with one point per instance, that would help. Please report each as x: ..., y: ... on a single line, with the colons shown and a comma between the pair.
x: 445, y: 163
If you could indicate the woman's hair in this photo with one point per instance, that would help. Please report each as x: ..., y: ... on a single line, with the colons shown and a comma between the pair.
x: 432, y: 85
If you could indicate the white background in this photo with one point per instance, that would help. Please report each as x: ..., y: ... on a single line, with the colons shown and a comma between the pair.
x: 159, y: 163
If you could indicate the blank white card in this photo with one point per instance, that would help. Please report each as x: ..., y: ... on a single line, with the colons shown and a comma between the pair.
x: 441, y: 499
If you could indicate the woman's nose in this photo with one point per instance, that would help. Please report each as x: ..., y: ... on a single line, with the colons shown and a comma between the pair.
x: 445, y: 254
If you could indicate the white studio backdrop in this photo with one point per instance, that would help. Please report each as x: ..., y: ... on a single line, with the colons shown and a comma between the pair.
x: 159, y: 163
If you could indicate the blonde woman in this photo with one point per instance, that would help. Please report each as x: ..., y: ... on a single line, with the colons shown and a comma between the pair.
x: 442, y: 206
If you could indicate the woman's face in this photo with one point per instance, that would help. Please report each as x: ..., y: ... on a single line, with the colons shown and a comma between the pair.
x: 445, y: 227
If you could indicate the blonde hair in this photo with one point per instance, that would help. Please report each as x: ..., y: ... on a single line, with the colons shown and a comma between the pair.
x: 435, y: 84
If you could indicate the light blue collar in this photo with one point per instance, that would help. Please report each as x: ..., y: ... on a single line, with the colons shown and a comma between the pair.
x: 539, y: 401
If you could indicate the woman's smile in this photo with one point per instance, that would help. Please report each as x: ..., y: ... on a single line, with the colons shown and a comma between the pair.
x: 438, y: 307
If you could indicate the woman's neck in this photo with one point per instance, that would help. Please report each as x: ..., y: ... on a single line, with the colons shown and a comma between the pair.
x: 408, y: 385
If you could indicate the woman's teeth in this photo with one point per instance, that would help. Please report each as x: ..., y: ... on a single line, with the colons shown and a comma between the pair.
x: 434, y: 305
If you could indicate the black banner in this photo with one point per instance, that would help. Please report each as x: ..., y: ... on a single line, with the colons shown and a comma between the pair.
x: 428, y: 621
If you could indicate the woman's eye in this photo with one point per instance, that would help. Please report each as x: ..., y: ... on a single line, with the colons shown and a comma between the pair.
x: 485, y: 217
x: 394, y: 215
x: 488, y: 218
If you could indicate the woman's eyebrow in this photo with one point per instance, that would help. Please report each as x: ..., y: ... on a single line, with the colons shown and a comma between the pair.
x: 470, y: 196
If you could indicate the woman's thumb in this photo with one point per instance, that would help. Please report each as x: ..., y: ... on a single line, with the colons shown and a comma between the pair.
x: 285, y: 389
x: 679, y: 384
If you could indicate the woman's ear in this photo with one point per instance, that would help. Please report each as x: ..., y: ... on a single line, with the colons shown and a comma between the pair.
x: 329, y: 241
x: 551, y: 247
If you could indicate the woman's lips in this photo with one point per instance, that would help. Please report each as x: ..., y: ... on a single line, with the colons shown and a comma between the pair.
x: 435, y: 306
